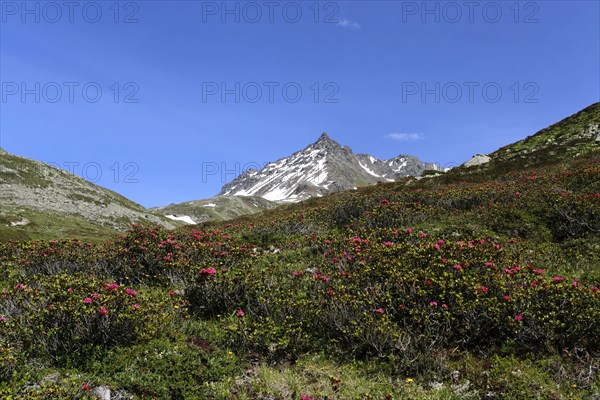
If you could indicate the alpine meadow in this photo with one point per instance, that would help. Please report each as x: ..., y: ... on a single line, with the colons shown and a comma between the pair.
x: 452, y: 253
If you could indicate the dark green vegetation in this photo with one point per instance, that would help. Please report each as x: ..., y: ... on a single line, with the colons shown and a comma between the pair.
x: 479, y: 283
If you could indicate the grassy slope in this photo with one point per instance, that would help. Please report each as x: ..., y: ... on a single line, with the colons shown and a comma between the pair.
x: 32, y: 173
x: 49, y: 223
x: 559, y: 142
x: 52, y: 226
x: 226, y: 208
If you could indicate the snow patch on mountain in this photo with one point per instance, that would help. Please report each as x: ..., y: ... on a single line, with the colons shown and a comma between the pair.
x: 277, y: 194
x: 184, y: 218
x: 368, y: 170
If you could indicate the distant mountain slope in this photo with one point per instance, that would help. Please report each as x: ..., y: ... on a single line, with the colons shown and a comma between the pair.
x: 322, y: 167
x: 37, y: 199
x: 218, y: 208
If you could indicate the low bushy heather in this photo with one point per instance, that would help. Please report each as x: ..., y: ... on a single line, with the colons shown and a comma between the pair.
x: 451, y: 287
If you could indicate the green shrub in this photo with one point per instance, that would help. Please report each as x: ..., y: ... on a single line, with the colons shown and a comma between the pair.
x: 74, y: 317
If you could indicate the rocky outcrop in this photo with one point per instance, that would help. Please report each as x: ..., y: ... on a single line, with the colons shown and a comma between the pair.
x: 477, y: 159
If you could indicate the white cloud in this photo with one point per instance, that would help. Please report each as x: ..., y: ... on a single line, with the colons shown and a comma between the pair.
x: 405, y: 137
x: 346, y: 23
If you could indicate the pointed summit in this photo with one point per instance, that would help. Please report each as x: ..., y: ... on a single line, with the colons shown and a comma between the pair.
x: 324, y: 138
x: 325, y: 142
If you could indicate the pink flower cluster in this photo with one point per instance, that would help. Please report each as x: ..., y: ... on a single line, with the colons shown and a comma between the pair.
x: 111, y: 286
x: 355, y: 239
x: 482, y: 289
x: 435, y: 304
x: 512, y: 271
x: 208, y: 271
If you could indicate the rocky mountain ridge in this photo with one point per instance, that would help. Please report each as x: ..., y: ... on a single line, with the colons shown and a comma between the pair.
x: 322, y: 167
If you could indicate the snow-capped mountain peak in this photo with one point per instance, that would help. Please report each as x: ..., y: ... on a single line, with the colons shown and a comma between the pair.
x: 322, y: 167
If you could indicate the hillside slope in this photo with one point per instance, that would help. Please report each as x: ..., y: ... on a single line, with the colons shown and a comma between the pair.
x: 219, y: 208
x: 567, y: 139
x: 38, y: 200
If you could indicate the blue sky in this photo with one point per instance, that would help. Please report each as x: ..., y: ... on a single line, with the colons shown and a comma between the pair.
x: 164, y: 101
